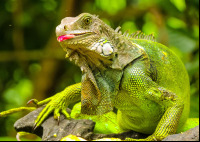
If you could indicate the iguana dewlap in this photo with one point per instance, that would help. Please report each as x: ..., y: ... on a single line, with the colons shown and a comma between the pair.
x: 144, y: 80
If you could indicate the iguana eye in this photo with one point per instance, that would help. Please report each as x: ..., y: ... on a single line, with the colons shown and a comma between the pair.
x: 87, y: 20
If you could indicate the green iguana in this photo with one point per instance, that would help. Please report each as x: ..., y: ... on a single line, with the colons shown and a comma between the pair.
x: 144, y: 80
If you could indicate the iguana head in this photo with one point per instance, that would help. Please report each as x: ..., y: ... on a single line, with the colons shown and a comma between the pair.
x: 84, y: 35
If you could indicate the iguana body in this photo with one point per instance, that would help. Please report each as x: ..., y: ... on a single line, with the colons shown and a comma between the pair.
x: 143, y: 79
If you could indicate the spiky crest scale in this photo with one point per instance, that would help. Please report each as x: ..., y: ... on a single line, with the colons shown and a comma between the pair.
x: 136, y: 35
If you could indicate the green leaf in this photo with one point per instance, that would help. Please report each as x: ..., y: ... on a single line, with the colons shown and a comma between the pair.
x: 180, y: 4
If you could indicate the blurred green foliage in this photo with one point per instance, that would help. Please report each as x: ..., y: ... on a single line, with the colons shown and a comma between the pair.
x: 32, y: 64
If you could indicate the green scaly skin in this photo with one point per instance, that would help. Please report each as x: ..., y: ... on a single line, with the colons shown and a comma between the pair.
x: 143, y: 79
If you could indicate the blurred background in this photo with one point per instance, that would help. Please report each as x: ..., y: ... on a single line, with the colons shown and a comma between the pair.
x: 33, y: 65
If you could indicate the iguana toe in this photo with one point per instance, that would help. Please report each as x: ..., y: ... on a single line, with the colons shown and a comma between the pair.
x: 66, y: 114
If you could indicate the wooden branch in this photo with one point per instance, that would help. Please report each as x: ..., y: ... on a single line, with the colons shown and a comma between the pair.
x: 26, y: 55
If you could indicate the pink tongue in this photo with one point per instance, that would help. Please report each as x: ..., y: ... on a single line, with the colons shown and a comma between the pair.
x: 65, y: 37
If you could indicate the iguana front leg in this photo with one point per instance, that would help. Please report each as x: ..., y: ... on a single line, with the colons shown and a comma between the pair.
x: 58, y: 103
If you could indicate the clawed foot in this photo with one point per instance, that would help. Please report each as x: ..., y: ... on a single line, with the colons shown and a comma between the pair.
x: 56, y: 103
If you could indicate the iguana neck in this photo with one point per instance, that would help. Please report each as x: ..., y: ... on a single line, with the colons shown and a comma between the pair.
x: 97, y: 75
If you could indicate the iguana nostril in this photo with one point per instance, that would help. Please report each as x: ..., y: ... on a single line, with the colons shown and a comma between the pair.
x: 60, y: 30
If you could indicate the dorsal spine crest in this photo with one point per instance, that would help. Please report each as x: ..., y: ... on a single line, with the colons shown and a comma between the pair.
x: 136, y: 35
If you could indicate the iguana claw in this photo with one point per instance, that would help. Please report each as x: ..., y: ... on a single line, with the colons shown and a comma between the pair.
x: 34, y: 127
x: 33, y: 101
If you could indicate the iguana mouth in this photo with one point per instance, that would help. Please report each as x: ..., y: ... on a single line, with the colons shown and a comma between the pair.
x: 65, y: 37
x: 73, y: 34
